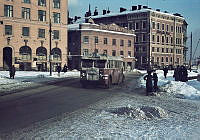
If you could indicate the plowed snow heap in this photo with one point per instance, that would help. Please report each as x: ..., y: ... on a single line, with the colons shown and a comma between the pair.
x: 141, y: 113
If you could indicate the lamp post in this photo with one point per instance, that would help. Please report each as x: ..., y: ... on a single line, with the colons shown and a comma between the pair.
x: 50, y: 40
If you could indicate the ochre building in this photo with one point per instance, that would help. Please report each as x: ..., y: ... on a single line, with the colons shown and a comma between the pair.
x: 25, y: 31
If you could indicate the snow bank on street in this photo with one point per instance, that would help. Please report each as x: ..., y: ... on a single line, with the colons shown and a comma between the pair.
x: 27, y: 78
x: 189, y: 89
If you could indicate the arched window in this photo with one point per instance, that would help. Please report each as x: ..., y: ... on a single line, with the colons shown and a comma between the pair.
x: 25, y: 53
x: 56, y: 52
x: 41, y: 53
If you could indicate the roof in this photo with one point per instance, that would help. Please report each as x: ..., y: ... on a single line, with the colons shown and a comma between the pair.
x: 135, y: 11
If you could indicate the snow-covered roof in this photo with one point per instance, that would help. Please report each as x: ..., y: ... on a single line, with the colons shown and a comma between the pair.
x: 135, y: 11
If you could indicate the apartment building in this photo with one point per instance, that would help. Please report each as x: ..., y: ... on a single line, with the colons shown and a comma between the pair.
x: 31, y: 30
x: 160, y: 36
x: 109, y: 40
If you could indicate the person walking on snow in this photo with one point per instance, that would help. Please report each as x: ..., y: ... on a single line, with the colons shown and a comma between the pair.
x: 12, y: 71
x: 149, y: 86
x: 58, y: 70
x: 155, y: 82
x: 165, y: 70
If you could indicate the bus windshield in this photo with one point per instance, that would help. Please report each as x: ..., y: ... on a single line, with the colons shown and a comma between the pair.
x: 100, y: 63
x: 87, y: 63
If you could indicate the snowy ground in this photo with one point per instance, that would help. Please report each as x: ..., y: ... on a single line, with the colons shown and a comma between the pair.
x: 25, y: 79
x: 123, y: 115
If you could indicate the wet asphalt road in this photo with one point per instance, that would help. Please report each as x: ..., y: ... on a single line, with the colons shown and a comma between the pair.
x: 36, y: 104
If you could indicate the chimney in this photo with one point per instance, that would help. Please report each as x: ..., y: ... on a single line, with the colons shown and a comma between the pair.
x: 96, y: 12
x: 134, y: 8
x: 139, y: 7
x: 104, y: 12
x: 145, y: 7
x: 122, y: 9
x: 158, y: 10
x: 108, y: 11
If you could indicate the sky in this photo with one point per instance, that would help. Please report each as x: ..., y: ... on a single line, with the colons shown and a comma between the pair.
x: 190, y: 9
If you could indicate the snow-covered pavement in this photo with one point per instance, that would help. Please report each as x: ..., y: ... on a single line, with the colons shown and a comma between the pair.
x: 127, y: 114
x: 25, y: 79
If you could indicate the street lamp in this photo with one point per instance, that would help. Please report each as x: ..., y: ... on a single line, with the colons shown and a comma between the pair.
x: 50, y: 40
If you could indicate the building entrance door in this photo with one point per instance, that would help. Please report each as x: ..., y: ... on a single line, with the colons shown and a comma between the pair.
x: 7, y: 58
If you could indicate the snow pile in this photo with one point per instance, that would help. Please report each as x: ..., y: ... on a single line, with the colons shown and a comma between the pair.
x: 141, y: 113
x: 188, y: 90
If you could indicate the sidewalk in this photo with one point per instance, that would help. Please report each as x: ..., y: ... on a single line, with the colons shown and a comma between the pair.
x: 30, y: 79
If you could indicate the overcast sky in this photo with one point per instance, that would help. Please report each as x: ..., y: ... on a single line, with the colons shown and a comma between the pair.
x: 190, y: 9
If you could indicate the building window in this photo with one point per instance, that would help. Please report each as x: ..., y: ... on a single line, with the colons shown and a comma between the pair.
x: 25, y: 31
x: 153, y: 49
x: 171, y: 40
x: 105, y: 52
x: 121, y: 42
x: 158, y: 50
x: 56, y: 17
x: 41, y: 2
x: 167, y: 39
x: 41, y: 33
x: 137, y: 49
x: 144, y: 59
x: 122, y: 53
x: 163, y: 39
x: 158, y: 26
x: 166, y: 59
x: 162, y: 59
x: 136, y: 39
x: 157, y: 59
x: 96, y: 40
x: 167, y: 50
x: 177, y: 60
x: 163, y: 50
x: 105, y: 41
x: 129, y: 43
x: 153, y: 38
x: 171, y: 50
x: 113, y: 52
x: 8, y: 10
x: 153, y: 25
x: 144, y: 24
x: 144, y: 37
x: 56, y: 4
x: 167, y: 28
x: 171, y: 59
x: 56, y: 34
x: 163, y: 27
x: 144, y: 49
x: 85, y: 52
x: 26, y: 13
x: 26, y: 1
x: 114, y: 42
x: 129, y: 54
x: 86, y: 39
x: 172, y: 28
x: 8, y: 29
x: 137, y: 26
x: 158, y: 38
x: 41, y: 15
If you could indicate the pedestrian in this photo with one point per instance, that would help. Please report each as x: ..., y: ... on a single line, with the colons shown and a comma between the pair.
x: 177, y: 73
x: 184, y: 74
x: 65, y: 68
x: 149, y: 86
x: 12, y: 72
x: 165, y: 70
x: 155, y: 82
x: 58, y: 70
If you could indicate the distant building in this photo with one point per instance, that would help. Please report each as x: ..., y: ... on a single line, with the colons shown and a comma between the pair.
x: 160, y: 36
x: 24, y: 33
x: 110, y: 40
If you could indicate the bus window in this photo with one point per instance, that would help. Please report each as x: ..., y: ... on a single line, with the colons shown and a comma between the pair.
x: 87, y: 63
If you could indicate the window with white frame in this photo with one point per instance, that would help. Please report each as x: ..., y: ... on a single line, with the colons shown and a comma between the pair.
x: 56, y: 17
x: 8, y: 10
x: 41, y: 15
x: 56, y: 4
x: 86, y: 39
x: 26, y: 13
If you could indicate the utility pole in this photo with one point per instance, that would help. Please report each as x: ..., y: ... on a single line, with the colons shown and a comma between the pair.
x: 50, y: 40
x: 191, y: 54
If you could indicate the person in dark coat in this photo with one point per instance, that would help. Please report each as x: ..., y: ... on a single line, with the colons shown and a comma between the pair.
x: 12, y: 71
x: 184, y: 74
x: 155, y: 82
x: 165, y: 70
x: 65, y: 68
x: 177, y: 73
x: 149, y: 86
x: 58, y: 70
